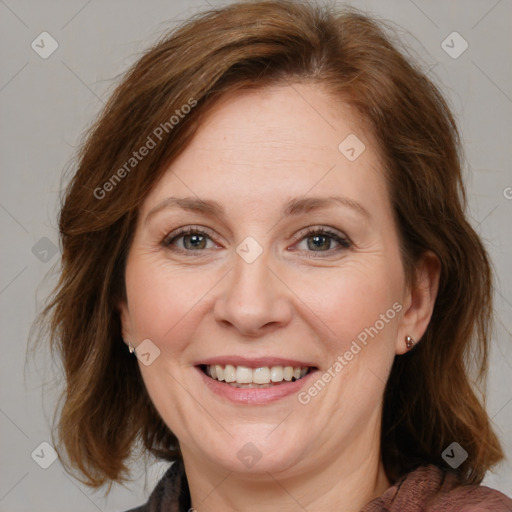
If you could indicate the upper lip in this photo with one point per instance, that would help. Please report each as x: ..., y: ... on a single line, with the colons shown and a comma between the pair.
x: 255, y: 362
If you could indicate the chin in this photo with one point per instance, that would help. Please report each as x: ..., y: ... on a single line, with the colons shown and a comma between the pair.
x: 253, y: 453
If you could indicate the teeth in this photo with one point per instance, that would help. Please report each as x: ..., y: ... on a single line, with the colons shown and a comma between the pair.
x: 276, y: 373
x: 230, y: 373
x: 261, y: 375
x: 264, y: 376
x: 288, y: 373
x: 219, y: 370
x: 243, y: 375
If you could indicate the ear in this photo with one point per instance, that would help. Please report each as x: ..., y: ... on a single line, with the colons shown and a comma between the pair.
x: 419, y: 301
x: 126, y: 326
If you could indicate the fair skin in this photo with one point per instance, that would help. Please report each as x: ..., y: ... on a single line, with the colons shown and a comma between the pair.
x: 303, y: 299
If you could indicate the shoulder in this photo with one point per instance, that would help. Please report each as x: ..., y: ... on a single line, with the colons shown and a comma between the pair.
x: 428, y: 488
x: 171, y: 492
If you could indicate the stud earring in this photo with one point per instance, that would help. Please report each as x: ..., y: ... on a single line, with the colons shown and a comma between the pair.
x: 131, y: 348
x: 409, y: 342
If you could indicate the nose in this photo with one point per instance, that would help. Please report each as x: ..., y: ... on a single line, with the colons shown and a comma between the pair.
x: 253, y: 300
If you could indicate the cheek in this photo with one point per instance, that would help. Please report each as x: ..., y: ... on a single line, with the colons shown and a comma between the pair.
x: 165, y: 302
x: 353, y: 299
x: 361, y: 309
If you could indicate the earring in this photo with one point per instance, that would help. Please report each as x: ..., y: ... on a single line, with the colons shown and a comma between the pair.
x: 409, y: 342
x: 131, y: 348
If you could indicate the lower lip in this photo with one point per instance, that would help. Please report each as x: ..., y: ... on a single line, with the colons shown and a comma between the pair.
x: 255, y: 396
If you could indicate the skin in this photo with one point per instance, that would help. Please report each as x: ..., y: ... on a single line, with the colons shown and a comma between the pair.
x: 255, y: 151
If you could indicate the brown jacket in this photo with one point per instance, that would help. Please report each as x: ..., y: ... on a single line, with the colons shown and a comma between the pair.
x: 426, y: 489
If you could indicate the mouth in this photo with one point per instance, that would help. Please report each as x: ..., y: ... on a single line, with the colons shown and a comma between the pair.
x: 245, y: 377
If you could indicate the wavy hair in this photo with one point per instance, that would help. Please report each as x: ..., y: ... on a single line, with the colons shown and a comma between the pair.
x: 432, y: 398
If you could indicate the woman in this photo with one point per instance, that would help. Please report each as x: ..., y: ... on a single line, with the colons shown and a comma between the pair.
x: 268, y: 276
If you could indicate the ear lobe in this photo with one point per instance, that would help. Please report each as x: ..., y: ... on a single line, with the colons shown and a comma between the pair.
x: 421, y: 299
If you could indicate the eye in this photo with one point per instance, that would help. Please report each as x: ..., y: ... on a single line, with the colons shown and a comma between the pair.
x: 323, y: 240
x: 189, y: 239
x: 195, y: 239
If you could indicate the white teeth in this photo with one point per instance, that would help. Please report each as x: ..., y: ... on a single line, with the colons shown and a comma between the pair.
x: 264, y: 376
x: 229, y: 373
x: 243, y: 375
x: 261, y: 375
x: 276, y: 373
x: 288, y: 373
x: 219, y: 370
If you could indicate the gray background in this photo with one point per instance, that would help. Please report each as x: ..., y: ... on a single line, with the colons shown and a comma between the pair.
x: 45, y: 104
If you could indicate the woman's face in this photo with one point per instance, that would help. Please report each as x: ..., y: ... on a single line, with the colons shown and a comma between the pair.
x: 268, y: 245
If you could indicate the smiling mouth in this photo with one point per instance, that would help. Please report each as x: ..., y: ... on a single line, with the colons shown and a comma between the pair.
x: 261, y: 377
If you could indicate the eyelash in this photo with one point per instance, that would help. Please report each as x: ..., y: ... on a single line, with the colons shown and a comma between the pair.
x: 343, y: 241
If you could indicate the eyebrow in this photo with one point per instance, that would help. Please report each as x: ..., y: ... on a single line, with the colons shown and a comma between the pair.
x: 296, y: 206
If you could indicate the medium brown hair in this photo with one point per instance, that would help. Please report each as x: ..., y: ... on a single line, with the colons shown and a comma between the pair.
x: 430, y: 400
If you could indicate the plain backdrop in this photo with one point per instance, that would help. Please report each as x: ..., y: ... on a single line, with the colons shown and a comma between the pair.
x: 46, y: 104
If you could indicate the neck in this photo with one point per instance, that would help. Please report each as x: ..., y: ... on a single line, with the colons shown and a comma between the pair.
x: 346, y: 482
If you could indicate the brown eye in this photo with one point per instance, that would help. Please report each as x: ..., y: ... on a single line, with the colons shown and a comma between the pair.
x: 190, y: 239
x: 196, y: 241
x: 321, y: 240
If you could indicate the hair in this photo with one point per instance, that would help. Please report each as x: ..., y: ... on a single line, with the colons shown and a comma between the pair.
x: 431, y: 399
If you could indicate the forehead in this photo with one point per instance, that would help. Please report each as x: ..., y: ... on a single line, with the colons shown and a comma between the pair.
x: 267, y: 145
